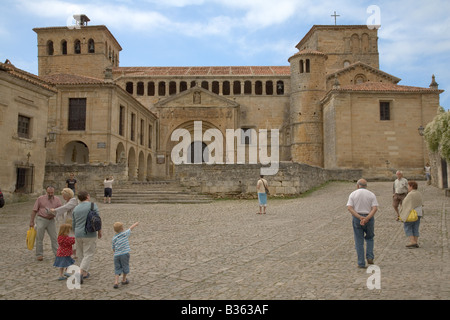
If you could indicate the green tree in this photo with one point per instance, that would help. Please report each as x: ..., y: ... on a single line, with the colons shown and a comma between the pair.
x: 437, y: 134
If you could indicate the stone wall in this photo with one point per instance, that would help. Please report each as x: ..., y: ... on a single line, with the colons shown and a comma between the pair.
x: 228, y: 180
x: 89, y: 177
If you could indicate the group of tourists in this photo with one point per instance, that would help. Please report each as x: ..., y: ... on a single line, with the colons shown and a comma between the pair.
x: 74, y: 241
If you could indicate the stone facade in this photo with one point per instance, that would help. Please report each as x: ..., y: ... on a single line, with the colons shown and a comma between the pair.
x: 330, y: 107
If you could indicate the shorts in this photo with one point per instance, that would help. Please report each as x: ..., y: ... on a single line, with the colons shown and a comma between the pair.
x: 262, y: 199
x: 412, y: 228
x: 122, y: 264
x: 108, y: 192
x: 397, y: 199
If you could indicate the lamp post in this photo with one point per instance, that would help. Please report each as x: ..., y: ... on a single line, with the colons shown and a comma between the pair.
x: 50, y: 138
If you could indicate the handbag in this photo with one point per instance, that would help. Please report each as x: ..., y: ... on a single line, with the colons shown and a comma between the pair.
x: 31, y: 237
x: 412, y: 216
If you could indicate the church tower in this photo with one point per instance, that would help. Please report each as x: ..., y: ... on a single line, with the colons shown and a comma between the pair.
x: 77, y: 49
x: 308, y: 86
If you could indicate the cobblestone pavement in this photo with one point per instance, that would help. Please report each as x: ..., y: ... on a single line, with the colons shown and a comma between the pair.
x: 302, y: 248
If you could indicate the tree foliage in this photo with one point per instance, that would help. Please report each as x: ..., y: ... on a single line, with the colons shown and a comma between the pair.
x: 437, y: 134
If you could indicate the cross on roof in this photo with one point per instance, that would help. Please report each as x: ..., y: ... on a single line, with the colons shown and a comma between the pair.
x: 335, y: 16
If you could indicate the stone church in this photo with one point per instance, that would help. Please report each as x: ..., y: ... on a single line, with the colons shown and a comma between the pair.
x: 331, y: 104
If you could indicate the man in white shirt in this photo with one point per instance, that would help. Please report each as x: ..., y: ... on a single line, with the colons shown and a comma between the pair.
x: 363, y: 205
x: 400, y: 190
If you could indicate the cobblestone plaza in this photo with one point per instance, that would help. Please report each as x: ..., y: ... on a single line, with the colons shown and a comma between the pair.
x: 302, y: 249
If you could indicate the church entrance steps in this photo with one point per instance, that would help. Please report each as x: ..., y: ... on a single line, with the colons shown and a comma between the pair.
x: 164, y: 191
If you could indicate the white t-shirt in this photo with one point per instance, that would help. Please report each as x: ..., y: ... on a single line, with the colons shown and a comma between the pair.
x: 362, y: 201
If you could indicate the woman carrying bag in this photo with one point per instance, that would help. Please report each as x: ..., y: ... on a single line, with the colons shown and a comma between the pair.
x: 412, y: 201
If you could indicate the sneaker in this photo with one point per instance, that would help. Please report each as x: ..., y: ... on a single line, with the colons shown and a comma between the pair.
x: 370, y: 261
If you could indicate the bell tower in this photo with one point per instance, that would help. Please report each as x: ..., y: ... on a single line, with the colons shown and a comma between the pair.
x: 308, y: 86
x: 77, y: 49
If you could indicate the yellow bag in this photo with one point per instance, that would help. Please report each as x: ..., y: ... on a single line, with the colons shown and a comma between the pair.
x: 412, y: 216
x: 31, y: 236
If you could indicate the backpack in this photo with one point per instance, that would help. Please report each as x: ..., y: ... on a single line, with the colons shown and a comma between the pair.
x: 2, y: 200
x: 93, y: 220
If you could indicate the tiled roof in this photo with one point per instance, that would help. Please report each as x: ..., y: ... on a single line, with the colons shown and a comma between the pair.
x: 205, y: 71
x: 26, y: 76
x: 383, y: 87
x: 71, y: 79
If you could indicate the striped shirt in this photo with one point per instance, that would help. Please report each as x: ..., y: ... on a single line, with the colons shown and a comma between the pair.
x: 120, y: 243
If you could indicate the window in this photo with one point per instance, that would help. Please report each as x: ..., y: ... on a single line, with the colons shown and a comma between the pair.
x: 150, y: 131
x: 302, y: 68
x: 205, y: 85
x: 50, y: 48
x: 142, y: 131
x: 172, y: 88
x: 140, y: 89
x: 385, y: 112
x: 307, y: 66
x: 77, y: 114
x: 91, y: 46
x: 258, y: 88
x: 280, y: 87
x: 121, y: 120
x: 129, y: 87
x: 133, y: 127
x: 247, y: 87
x: 162, y: 88
x: 269, y: 88
x: 23, y: 127
x: 226, y: 88
x: 64, y: 47
x: 215, y: 87
x: 77, y: 47
x: 151, y: 88
x: 183, y: 86
x: 236, y: 87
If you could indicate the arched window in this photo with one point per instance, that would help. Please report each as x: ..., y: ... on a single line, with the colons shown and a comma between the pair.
x: 236, y: 87
x: 307, y: 66
x: 50, y: 49
x: 183, y: 86
x: 193, y: 83
x: 215, y: 87
x: 140, y: 89
x: 346, y: 63
x: 162, y: 88
x: 91, y: 46
x: 280, y: 87
x: 129, y: 87
x: 258, y: 88
x: 63, y: 47
x: 151, y: 88
x: 77, y: 47
x: 269, y: 88
x: 226, y: 88
x: 248, y: 87
x: 355, y: 47
x: 360, y: 78
x: 205, y: 85
x: 302, y: 66
x: 172, y: 87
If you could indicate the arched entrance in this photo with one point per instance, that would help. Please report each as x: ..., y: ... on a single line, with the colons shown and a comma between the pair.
x: 76, y: 152
x: 120, y: 153
x: 132, y: 172
x: 141, y: 167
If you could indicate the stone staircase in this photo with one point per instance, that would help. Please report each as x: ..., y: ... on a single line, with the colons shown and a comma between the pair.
x: 164, y: 191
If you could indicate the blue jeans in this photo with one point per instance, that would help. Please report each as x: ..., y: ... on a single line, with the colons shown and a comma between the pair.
x: 361, y: 233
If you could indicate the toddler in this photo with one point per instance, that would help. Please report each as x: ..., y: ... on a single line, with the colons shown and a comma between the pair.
x: 121, y: 248
x: 63, y: 254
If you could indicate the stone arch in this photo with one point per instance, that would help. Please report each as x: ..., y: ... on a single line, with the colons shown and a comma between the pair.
x: 76, y: 152
x: 120, y: 153
x: 142, y: 172
x: 132, y: 165
x: 149, y: 166
x: 359, y: 78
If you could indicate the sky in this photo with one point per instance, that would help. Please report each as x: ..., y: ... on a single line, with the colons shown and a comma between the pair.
x: 413, y: 44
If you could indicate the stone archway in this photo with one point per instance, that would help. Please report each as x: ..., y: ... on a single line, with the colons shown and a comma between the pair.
x: 120, y: 153
x: 141, y: 167
x: 76, y: 152
x: 132, y: 165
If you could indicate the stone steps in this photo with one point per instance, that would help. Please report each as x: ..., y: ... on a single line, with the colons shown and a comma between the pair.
x: 154, y: 192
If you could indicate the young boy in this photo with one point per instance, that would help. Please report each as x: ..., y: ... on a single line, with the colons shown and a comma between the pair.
x: 121, y: 248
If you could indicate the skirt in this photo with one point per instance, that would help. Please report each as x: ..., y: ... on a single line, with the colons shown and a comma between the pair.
x: 63, y: 262
x: 262, y: 198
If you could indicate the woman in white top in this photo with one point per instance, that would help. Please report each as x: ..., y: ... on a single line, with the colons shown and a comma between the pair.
x: 108, y: 189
